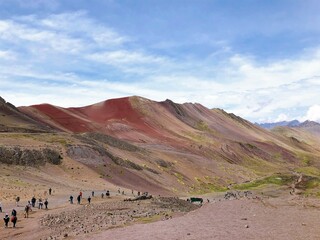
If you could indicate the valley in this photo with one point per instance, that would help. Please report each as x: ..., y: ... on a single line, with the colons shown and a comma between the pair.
x: 139, y: 145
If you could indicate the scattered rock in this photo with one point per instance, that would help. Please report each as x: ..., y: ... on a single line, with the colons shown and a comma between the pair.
x: 113, y: 214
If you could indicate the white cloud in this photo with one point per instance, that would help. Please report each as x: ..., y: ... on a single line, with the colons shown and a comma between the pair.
x: 281, y: 117
x: 121, y: 57
x: 71, y: 59
x: 7, y: 55
x: 313, y: 113
x: 252, y: 74
x: 4, y: 26
x: 67, y: 33
x: 78, y: 22
x: 266, y: 90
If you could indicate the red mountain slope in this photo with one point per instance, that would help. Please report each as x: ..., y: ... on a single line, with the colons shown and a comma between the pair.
x: 180, y: 142
x: 141, y: 120
x: 111, y: 116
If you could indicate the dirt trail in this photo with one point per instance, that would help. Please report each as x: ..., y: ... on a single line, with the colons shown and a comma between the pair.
x: 284, y: 217
x: 281, y: 218
x: 30, y: 228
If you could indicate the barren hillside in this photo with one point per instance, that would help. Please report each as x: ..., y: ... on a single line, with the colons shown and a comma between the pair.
x: 171, y: 148
x: 134, y: 144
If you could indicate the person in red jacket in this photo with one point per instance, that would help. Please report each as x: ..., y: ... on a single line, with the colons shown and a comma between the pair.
x: 14, y: 217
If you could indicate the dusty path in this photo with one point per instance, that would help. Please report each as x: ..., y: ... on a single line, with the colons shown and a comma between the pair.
x: 30, y: 228
x: 285, y: 217
x: 293, y: 219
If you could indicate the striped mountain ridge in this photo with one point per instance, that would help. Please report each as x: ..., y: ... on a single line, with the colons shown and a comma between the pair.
x: 13, y: 120
x: 140, y: 120
x: 164, y: 145
x: 157, y: 119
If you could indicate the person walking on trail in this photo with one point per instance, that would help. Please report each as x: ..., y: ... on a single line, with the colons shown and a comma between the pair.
x: 14, y: 212
x: 33, y: 201
x: 102, y: 195
x: 14, y: 220
x: 89, y: 199
x: 27, y: 209
x: 46, y: 203
x: 17, y: 201
x: 92, y: 193
x: 80, y: 194
x: 50, y: 190
x: 0, y: 207
x: 29, y: 204
x: 71, y: 199
x: 6, y: 220
x: 14, y: 217
x: 40, y: 203
x: 79, y: 198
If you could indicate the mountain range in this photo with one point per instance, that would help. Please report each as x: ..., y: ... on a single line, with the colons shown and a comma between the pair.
x: 165, y: 147
x: 293, y: 123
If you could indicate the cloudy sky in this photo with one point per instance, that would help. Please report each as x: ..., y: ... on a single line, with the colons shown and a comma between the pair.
x: 259, y: 59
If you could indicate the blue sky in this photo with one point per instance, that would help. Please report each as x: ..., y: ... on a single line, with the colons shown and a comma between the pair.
x: 259, y: 59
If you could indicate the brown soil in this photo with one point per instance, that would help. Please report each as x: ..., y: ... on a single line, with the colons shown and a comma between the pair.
x: 282, y: 218
x: 63, y: 219
x: 190, y: 149
x: 286, y: 217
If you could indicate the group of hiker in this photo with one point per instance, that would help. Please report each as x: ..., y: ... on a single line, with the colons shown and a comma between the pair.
x: 40, y: 203
x: 32, y: 204
x: 13, y: 218
x: 107, y: 194
x: 27, y: 209
x: 79, y: 197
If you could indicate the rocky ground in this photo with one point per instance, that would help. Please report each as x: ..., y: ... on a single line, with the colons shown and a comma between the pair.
x: 271, y: 215
x: 283, y: 218
x: 64, y: 220
x: 102, y: 216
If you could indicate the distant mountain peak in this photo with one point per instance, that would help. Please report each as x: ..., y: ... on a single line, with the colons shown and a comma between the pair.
x: 309, y: 123
x: 293, y: 123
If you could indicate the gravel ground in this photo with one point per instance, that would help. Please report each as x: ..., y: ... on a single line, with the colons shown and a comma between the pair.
x: 264, y: 219
x: 260, y: 217
x: 103, y: 216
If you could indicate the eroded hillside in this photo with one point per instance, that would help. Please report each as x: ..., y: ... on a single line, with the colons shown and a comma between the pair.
x: 162, y: 147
